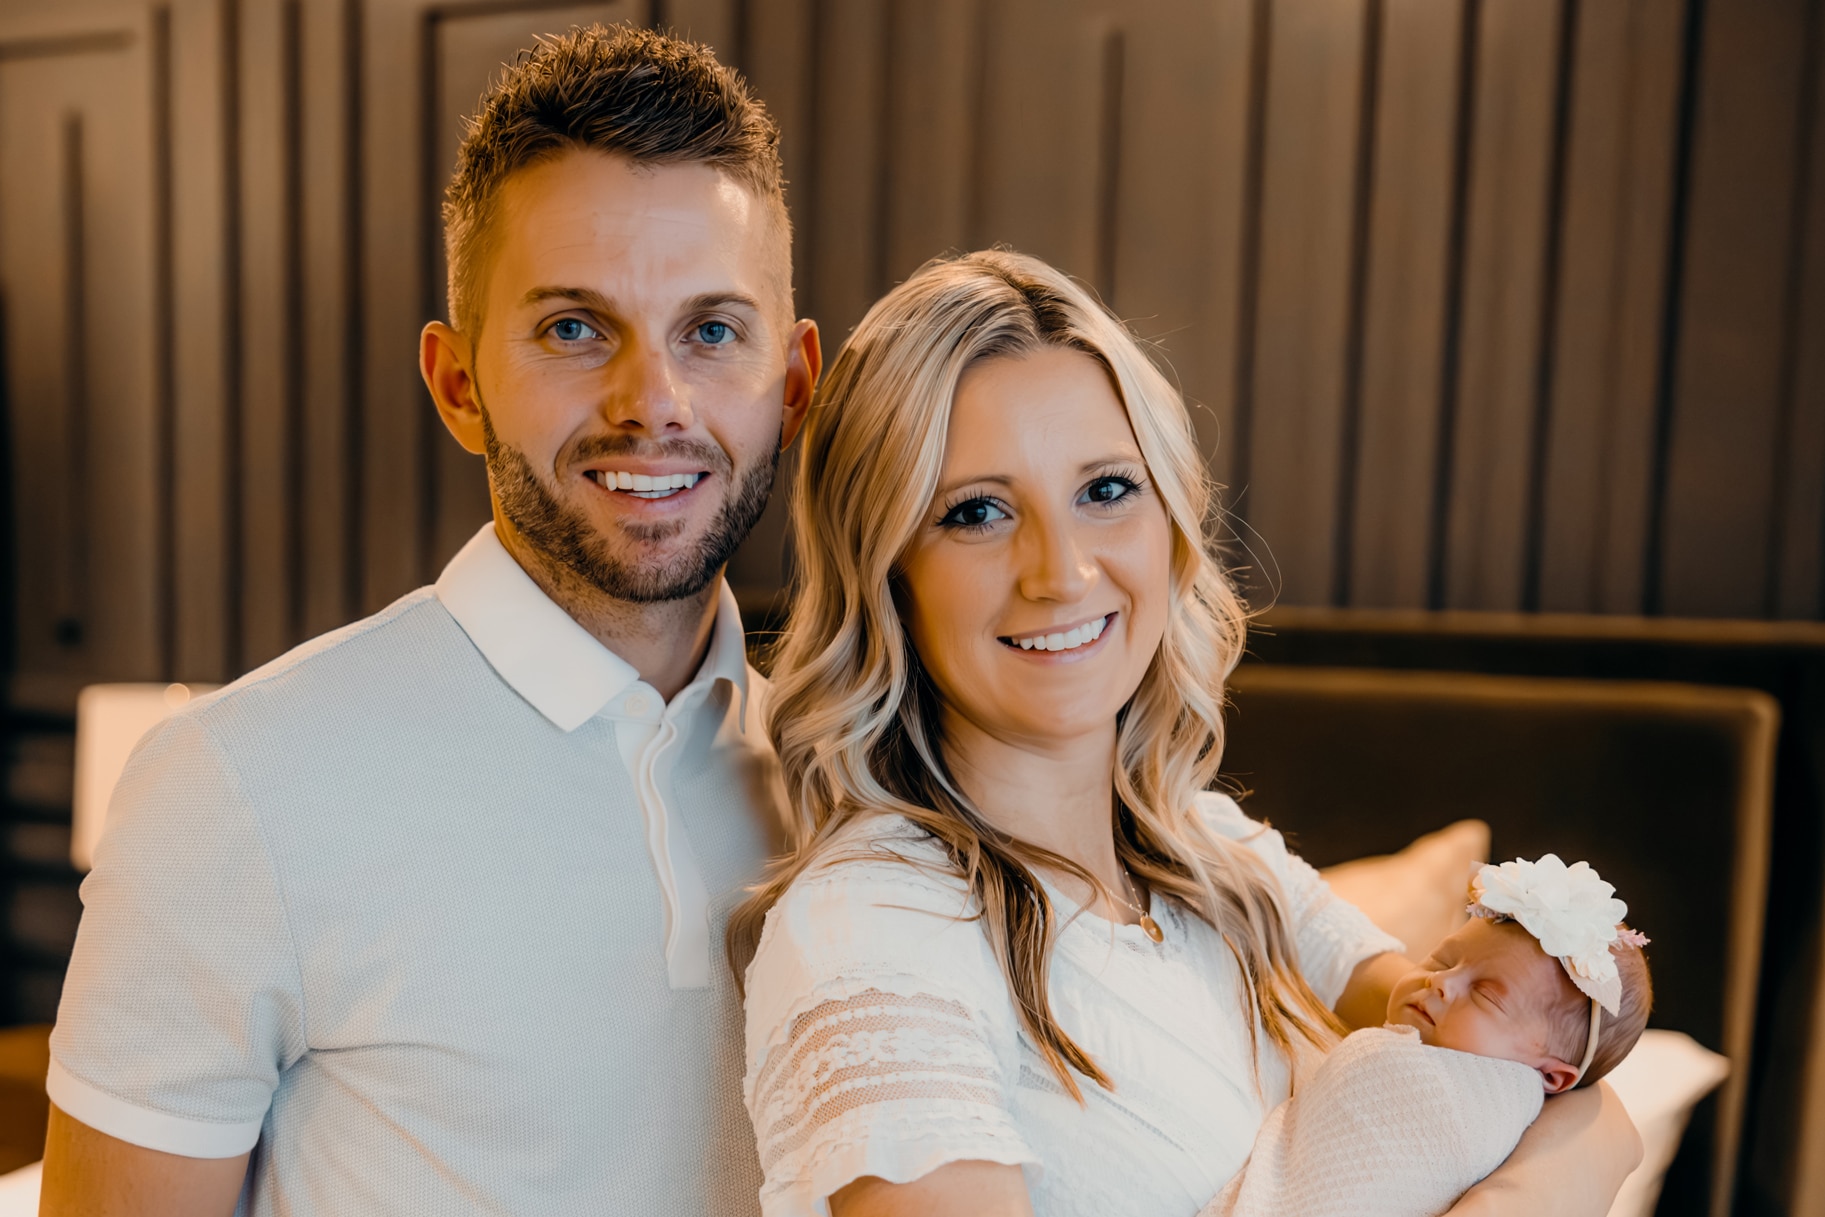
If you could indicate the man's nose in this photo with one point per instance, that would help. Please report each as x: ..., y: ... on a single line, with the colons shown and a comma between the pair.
x: 1055, y: 566
x: 645, y: 393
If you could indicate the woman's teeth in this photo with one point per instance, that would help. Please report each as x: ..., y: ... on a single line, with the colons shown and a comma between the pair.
x: 643, y: 486
x: 1069, y: 640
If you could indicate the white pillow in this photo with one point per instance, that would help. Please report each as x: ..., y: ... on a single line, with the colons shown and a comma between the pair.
x: 1659, y: 1083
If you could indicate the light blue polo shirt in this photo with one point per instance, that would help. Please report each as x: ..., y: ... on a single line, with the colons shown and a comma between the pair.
x: 429, y: 914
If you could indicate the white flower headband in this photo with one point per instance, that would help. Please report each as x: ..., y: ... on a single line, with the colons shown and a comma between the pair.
x: 1573, y: 913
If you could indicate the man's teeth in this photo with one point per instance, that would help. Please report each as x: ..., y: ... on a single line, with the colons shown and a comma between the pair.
x: 1068, y: 640
x: 654, y: 486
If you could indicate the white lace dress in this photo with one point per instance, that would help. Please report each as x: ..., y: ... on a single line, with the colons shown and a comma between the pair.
x: 882, y: 1040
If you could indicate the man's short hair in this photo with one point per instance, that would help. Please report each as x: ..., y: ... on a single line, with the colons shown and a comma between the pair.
x: 636, y: 93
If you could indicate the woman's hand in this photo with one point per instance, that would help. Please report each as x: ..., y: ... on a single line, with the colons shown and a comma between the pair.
x: 1571, y: 1163
x: 982, y: 1189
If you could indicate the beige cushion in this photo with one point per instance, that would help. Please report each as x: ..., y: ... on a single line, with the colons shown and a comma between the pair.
x: 1417, y: 895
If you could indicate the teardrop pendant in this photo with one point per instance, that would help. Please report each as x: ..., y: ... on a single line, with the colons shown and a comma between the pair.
x: 1153, y: 928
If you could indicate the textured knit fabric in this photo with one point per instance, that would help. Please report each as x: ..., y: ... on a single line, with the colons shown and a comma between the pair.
x: 882, y: 1039
x: 377, y: 906
x: 1385, y: 1127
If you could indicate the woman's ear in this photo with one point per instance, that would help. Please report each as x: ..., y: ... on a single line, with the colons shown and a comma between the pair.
x: 1557, y: 1075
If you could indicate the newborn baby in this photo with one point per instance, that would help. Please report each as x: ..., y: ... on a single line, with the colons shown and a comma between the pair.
x: 1544, y: 989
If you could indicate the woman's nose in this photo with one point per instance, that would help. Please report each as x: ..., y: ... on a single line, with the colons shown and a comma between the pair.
x: 1055, y: 567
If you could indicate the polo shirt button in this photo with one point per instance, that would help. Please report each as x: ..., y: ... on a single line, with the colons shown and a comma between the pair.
x: 637, y: 704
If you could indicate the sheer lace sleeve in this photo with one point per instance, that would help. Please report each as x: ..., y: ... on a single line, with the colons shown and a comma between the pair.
x: 1333, y: 934
x: 880, y: 1036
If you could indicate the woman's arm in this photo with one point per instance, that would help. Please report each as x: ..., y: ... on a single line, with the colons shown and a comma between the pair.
x: 983, y: 1189
x: 1571, y: 1163
x: 1365, y: 999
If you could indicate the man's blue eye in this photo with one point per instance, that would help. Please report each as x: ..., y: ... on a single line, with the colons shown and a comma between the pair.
x: 572, y: 330
x: 714, y: 333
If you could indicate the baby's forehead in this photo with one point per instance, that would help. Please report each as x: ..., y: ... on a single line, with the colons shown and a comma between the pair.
x: 1507, y: 950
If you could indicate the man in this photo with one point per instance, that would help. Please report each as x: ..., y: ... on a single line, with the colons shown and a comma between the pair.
x: 426, y: 916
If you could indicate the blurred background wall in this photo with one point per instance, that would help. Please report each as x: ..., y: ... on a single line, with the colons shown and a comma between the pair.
x: 1500, y: 304
x: 1497, y: 304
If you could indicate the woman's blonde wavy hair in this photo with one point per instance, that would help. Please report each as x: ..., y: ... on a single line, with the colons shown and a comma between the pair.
x: 855, y: 719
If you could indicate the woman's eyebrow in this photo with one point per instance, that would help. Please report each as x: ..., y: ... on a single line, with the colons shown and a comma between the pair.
x: 1002, y: 479
x: 993, y: 479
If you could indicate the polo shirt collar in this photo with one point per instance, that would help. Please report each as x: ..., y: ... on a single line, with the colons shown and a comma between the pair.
x: 559, y: 667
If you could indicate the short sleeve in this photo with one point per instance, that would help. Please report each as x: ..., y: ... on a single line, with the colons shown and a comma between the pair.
x: 1333, y: 935
x: 182, y: 1005
x: 881, y: 1040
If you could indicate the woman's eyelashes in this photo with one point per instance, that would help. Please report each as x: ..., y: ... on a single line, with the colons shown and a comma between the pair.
x: 1109, y: 489
x: 975, y: 513
x: 972, y: 515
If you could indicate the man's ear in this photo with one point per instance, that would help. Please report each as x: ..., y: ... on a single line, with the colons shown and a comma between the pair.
x: 1557, y: 1075
x: 804, y: 364
x: 446, y: 361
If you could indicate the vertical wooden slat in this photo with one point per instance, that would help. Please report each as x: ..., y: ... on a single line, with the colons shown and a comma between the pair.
x: 851, y: 97
x: 1510, y: 204
x: 1404, y: 302
x: 331, y: 314
x: 1178, y: 247
x: 1042, y: 110
x: 1728, y: 379
x: 76, y: 271
x: 1800, y: 558
x: 266, y: 393
x: 933, y: 127
x: 1308, y: 215
x: 199, y: 219
x: 392, y: 477
x: 1607, y: 341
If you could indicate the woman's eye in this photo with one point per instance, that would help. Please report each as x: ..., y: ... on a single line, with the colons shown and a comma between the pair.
x: 571, y: 330
x: 715, y: 333
x: 1109, y: 490
x: 977, y: 513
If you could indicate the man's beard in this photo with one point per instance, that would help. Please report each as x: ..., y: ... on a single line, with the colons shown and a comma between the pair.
x: 568, y: 537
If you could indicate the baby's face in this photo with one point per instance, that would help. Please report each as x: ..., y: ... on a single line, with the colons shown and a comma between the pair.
x: 1488, y: 989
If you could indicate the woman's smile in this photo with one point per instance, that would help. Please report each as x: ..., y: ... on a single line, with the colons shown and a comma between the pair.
x: 1061, y: 644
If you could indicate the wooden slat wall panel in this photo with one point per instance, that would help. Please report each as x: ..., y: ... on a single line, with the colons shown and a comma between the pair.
x: 208, y: 335
x: 330, y: 303
x: 1295, y: 455
x: 76, y: 297
x: 1799, y: 589
x: 1183, y: 171
x: 1511, y: 202
x: 1606, y: 347
x: 271, y: 361
x: 1042, y: 120
x: 1729, y: 374
x: 1405, y: 301
x: 1421, y: 302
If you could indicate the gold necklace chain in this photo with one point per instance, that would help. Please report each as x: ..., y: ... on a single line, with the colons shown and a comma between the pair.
x: 1148, y: 924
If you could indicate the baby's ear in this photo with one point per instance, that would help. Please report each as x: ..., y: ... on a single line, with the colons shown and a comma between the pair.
x: 1557, y: 1076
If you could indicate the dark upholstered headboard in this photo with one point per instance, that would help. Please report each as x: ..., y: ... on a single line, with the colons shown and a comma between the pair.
x: 1664, y: 788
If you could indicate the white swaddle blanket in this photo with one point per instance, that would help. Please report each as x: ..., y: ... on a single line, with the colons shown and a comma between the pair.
x: 1384, y: 1127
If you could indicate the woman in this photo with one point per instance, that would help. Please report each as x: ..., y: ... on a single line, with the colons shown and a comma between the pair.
x: 1021, y: 961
